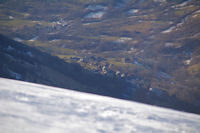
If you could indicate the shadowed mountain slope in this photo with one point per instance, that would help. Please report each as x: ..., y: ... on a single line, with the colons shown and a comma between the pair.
x: 22, y: 62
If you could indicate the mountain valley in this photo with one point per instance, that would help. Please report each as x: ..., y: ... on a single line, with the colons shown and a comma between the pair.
x: 148, y: 50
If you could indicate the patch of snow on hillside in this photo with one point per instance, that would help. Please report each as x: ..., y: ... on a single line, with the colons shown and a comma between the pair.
x: 187, y: 62
x: 197, y: 34
x: 178, y: 25
x: 159, y: 0
x: 86, y: 24
x: 133, y: 11
x: 185, y: 3
x: 169, y: 29
x: 196, y: 13
x: 96, y: 7
x: 33, y: 39
x: 182, y: 21
x: 95, y: 15
x: 18, y: 39
x: 55, y: 40
x: 33, y: 108
x: 169, y: 44
x: 123, y: 39
x: 10, y: 17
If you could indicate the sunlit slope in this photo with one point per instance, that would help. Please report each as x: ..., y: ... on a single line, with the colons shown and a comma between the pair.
x: 27, y: 107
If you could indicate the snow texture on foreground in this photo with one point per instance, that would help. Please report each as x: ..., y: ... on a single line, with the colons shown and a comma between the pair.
x: 33, y: 108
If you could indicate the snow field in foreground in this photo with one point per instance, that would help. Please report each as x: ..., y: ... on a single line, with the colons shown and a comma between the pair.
x: 30, y: 108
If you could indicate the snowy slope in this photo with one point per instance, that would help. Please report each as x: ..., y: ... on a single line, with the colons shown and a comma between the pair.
x: 32, y: 108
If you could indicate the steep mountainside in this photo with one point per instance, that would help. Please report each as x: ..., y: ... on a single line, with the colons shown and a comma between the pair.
x: 21, y: 62
x: 27, y: 107
x: 152, y: 44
